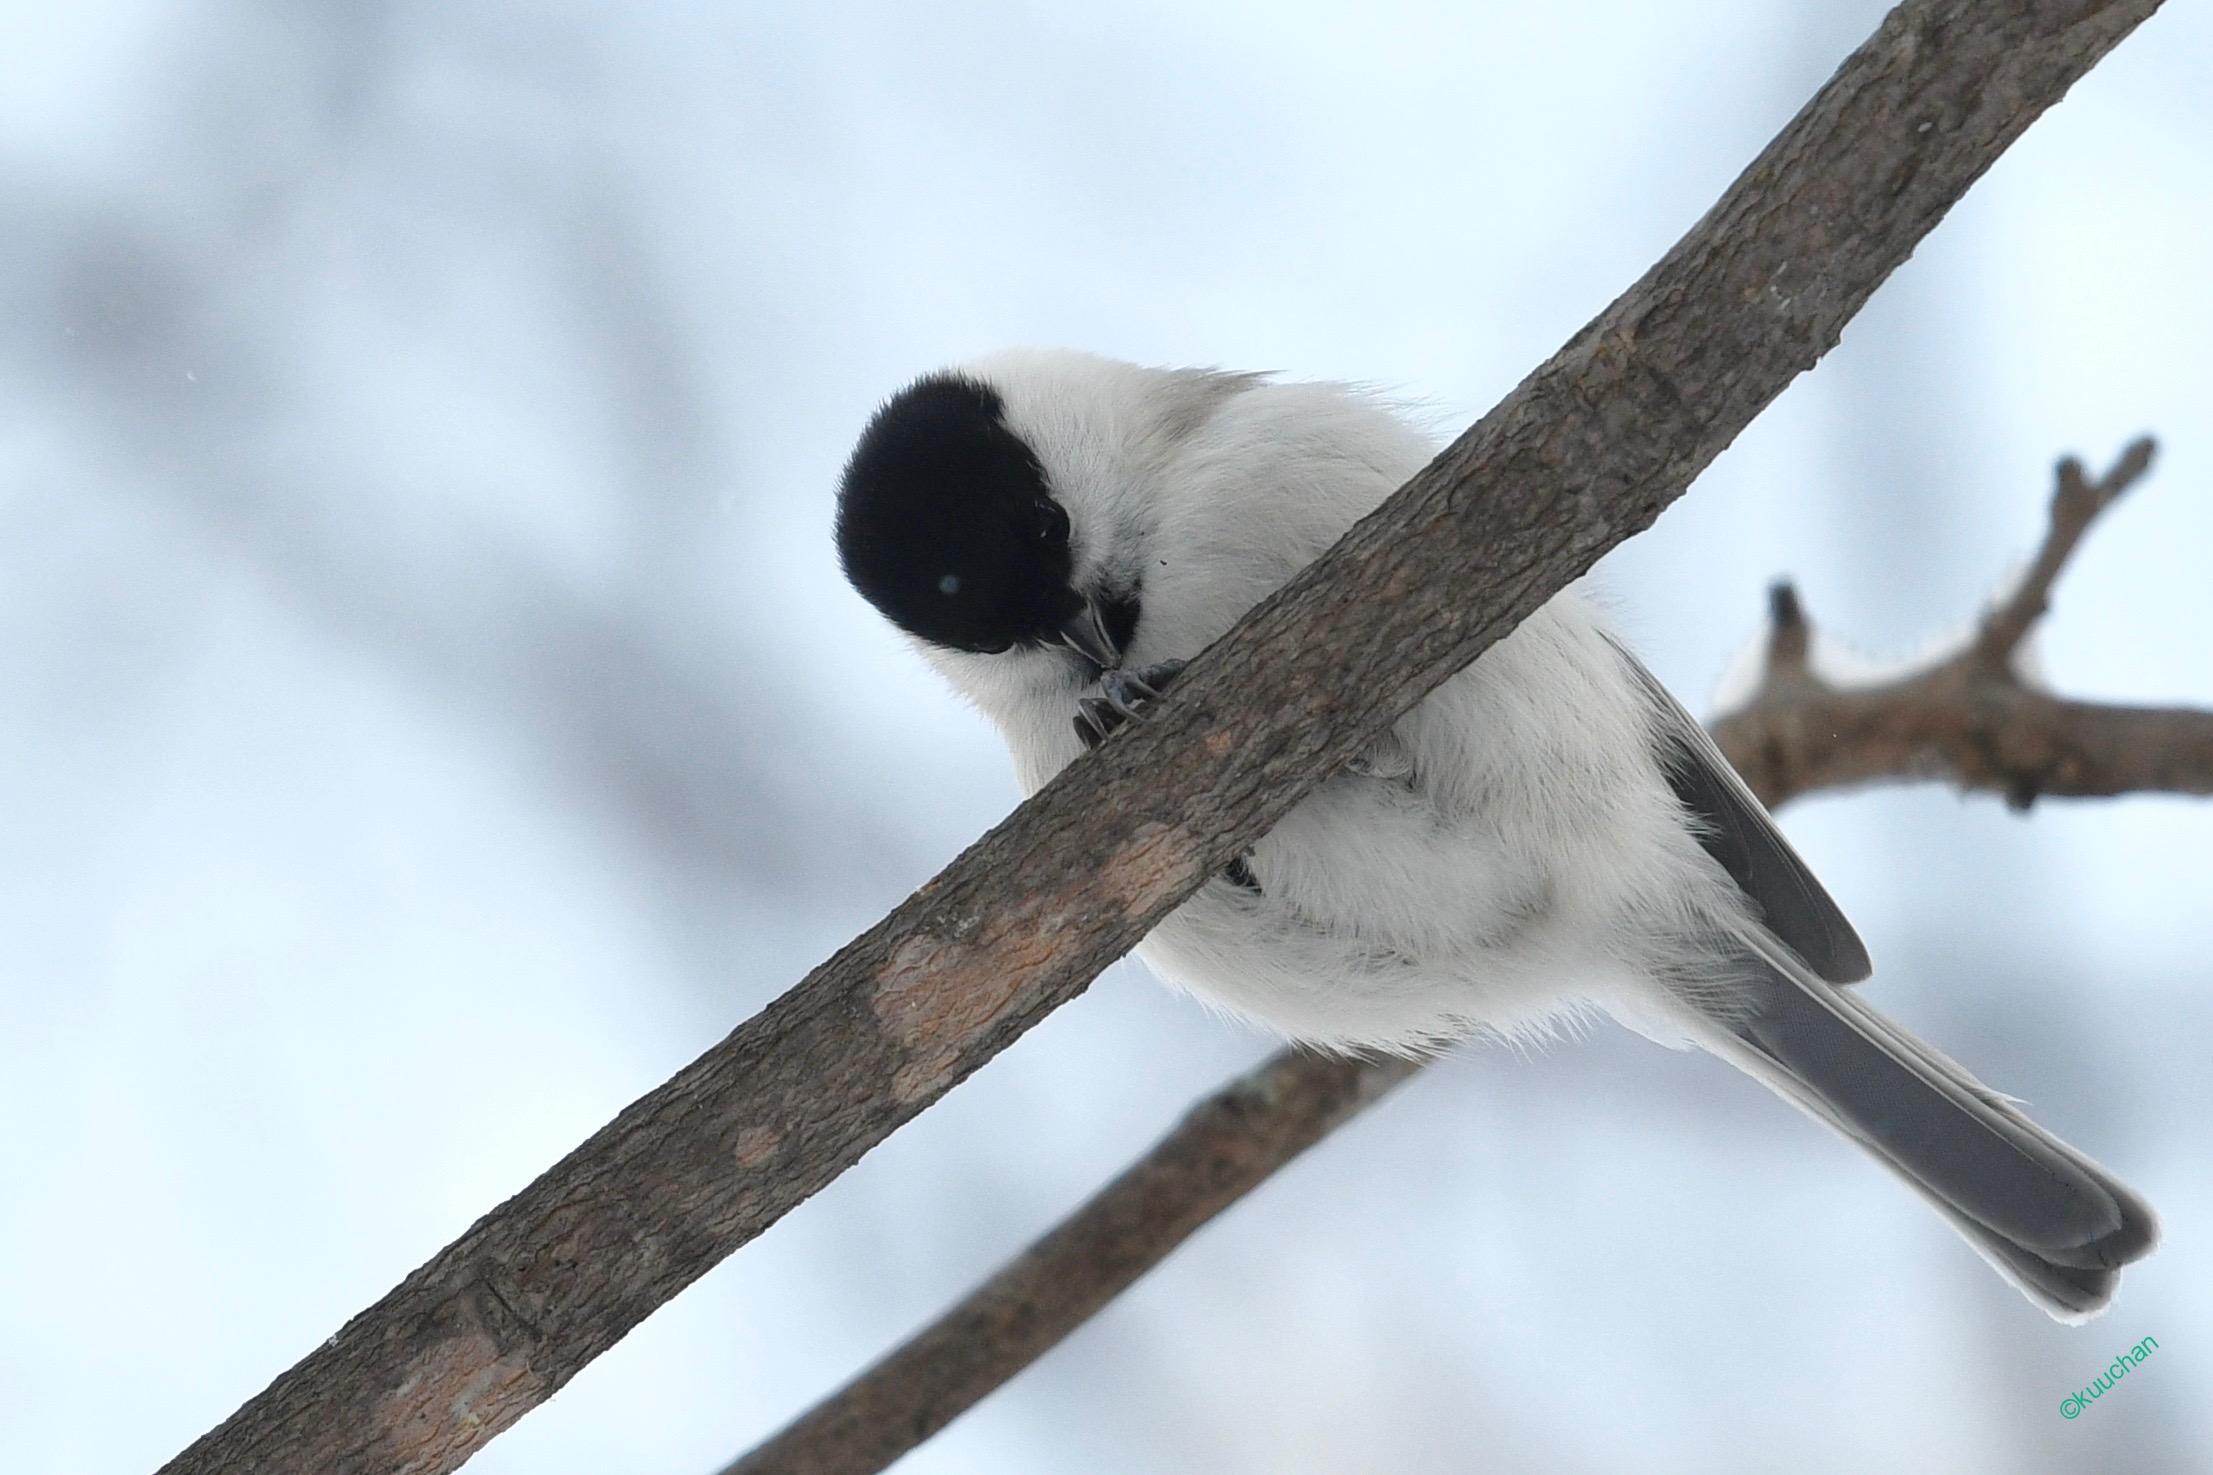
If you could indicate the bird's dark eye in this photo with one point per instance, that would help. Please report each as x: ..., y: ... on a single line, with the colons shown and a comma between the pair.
x: 949, y: 584
x: 1056, y: 522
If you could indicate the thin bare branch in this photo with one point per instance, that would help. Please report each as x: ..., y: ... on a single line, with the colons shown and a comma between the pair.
x: 1226, y: 1146
x: 1971, y: 718
x: 1584, y: 452
x: 1789, y: 636
x: 2076, y: 503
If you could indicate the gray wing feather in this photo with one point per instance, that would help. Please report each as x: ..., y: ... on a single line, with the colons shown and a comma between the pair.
x: 1736, y: 830
x: 2054, y: 1223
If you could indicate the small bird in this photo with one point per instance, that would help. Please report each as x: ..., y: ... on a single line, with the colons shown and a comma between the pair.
x: 1547, y: 832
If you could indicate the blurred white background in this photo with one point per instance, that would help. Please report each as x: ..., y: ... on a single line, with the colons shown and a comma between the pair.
x: 430, y: 712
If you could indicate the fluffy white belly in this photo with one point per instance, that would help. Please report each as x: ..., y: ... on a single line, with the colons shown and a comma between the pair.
x: 1381, y: 923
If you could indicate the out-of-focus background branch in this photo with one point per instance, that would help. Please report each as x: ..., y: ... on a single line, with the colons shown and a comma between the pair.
x: 417, y: 630
x: 1226, y: 1146
x: 1979, y: 716
x: 1960, y: 716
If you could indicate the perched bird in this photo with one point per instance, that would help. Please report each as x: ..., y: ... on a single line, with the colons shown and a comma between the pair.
x: 1546, y: 832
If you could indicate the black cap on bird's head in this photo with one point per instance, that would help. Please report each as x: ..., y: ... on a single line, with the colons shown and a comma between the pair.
x: 947, y: 524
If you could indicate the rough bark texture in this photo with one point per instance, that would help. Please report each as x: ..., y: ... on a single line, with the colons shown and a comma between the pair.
x: 1961, y: 718
x: 1583, y: 453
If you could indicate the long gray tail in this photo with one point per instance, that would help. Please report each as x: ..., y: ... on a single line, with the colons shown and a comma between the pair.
x: 2050, y: 1220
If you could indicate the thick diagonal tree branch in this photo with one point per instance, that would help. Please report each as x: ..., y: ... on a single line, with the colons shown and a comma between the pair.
x: 1584, y: 452
x: 1236, y: 1139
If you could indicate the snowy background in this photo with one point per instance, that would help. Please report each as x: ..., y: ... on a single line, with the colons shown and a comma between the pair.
x: 430, y: 714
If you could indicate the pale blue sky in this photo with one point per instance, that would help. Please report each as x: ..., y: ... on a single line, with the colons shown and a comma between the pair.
x: 429, y: 712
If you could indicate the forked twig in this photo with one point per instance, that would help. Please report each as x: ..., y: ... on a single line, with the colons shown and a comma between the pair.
x: 1971, y: 717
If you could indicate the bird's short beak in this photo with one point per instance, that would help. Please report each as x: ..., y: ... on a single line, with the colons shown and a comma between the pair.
x: 1085, y: 633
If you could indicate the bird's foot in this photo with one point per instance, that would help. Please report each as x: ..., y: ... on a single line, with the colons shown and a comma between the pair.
x: 1123, y: 696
